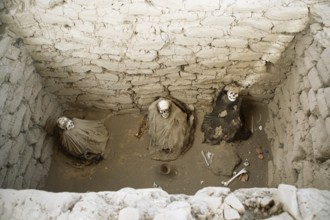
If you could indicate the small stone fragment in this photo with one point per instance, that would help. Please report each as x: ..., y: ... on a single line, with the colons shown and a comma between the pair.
x: 234, y: 202
x: 129, y: 214
x: 230, y: 213
x: 244, y: 177
x: 260, y: 153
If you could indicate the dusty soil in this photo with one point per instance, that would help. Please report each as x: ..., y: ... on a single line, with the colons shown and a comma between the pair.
x: 127, y: 163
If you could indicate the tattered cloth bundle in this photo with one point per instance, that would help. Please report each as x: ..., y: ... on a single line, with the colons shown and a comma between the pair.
x: 225, y: 122
x: 87, y: 140
x: 172, y: 136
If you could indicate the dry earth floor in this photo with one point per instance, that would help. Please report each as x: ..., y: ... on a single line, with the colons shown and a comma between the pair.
x: 127, y: 163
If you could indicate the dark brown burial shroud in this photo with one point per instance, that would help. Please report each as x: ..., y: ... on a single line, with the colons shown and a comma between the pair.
x: 225, y: 122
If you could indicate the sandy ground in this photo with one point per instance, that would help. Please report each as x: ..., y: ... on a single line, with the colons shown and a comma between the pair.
x: 127, y: 163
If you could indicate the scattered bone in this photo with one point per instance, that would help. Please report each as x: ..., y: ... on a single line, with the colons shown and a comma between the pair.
x: 208, y: 156
x: 155, y: 185
x: 259, y: 119
x: 205, y: 159
x: 234, y: 177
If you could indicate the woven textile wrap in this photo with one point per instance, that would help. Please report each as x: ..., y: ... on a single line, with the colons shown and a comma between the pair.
x: 172, y: 136
x: 87, y: 140
x: 225, y: 122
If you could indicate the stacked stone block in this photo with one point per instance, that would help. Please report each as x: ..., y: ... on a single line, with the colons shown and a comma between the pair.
x: 121, y: 55
x: 285, y: 202
x: 24, y: 109
x: 300, y: 112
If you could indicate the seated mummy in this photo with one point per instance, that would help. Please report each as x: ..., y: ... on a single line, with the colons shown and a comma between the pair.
x: 171, y: 128
x: 83, y: 139
x: 226, y: 121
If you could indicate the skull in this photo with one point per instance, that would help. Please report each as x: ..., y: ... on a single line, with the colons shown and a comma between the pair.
x: 69, y: 125
x: 65, y: 123
x: 164, y: 108
x: 232, y: 95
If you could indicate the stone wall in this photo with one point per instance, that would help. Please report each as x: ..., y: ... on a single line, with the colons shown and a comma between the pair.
x: 300, y: 111
x: 285, y: 202
x: 24, y: 108
x: 121, y: 54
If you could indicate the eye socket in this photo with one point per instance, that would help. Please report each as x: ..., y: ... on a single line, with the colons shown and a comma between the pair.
x: 61, y: 122
x: 70, y: 125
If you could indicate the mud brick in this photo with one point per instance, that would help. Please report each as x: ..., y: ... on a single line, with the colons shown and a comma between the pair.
x: 303, y: 98
x: 4, y: 45
x: 39, y: 145
x: 17, y: 73
x: 322, y: 105
x: 312, y: 102
x: 3, y: 95
x: 16, y: 150
x: 323, y: 72
x: 18, y: 120
x: 25, y: 159
x: 5, y: 151
x: 314, y: 79
x: 19, y: 93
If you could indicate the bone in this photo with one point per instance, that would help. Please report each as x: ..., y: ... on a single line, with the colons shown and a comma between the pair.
x: 210, y: 157
x: 207, y: 163
x: 234, y: 177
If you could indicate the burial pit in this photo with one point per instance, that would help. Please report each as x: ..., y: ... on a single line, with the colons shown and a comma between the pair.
x: 109, y: 60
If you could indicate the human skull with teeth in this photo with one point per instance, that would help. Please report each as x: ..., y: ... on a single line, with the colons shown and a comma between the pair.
x: 232, y: 95
x: 164, y: 108
x: 65, y: 123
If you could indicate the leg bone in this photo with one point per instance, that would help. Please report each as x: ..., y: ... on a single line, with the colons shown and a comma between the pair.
x: 235, y: 176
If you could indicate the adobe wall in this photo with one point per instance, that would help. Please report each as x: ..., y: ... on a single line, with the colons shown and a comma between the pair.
x: 121, y: 54
x: 299, y: 125
x: 284, y: 202
x: 25, y: 106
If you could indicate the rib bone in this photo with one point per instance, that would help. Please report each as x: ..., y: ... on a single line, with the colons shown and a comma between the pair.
x: 231, y: 179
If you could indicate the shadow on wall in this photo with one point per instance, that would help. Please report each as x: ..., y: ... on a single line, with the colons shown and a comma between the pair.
x: 25, y: 148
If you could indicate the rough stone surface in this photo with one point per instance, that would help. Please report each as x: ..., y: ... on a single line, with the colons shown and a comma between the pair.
x: 314, y: 79
x: 99, y: 46
x: 313, y: 199
x: 119, y: 56
x: 298, y: 130
x: 288, y: 195
x: 322, y: 104
x: 129, y: 203
x: 282, y: 216
x: 321, y: 140
x: 129, y: 214
x: 19, y: 131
